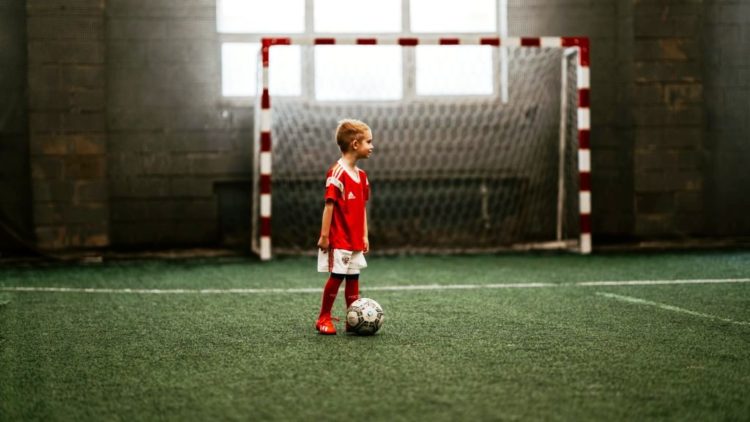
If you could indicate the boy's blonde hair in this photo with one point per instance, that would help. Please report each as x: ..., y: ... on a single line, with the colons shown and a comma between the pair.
x: 348, y: 131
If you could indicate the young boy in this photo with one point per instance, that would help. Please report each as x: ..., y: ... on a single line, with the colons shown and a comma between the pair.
x: 343, y: 233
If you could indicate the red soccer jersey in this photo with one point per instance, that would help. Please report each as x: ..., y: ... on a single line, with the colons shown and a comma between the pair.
x: 349, y: 191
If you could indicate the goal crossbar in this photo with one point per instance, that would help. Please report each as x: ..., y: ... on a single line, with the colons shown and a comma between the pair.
x: 261, y: 231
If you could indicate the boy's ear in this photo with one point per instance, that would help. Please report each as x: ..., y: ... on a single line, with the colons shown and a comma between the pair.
x: 354, y: 144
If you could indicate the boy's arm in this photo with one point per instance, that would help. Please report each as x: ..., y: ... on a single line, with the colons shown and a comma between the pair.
x: 325, y: 226
x: 367, y: 240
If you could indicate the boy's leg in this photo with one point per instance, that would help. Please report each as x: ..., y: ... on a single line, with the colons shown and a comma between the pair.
x: 331, y: 289
x: 351, y: 292
x: 356, y: 263
x: 351, y: 289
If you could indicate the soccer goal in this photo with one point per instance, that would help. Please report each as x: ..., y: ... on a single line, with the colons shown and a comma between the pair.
x: 454, y: 170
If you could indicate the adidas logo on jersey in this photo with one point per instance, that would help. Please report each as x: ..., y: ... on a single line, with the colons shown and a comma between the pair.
x: 351, y: 196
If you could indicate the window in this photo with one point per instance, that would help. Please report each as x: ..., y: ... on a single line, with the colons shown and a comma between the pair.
x: 239, y: 68
x: 238, y: 61
x: 374, y: 73
x: 442, y: 70
x: 453, y: 16
x: 357, y: 16
x: 260, y: 16
x: 346, y: 72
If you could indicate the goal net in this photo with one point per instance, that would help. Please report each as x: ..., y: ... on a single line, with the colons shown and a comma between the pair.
x: 452, y: 171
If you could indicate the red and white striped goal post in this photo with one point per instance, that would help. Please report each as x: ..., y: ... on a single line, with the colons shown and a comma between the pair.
x: 584, y: 112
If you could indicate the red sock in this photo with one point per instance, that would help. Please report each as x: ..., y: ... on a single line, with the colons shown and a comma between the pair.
x: 329, y: 295
x: 351, y: 290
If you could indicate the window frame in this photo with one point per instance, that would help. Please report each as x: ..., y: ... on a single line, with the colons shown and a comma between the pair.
x: 409, y: 70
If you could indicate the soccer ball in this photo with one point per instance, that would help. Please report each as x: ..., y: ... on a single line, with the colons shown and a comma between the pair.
x: 364, y: 317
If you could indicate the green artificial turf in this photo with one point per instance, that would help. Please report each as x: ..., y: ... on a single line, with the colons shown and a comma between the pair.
x: 565, y: 352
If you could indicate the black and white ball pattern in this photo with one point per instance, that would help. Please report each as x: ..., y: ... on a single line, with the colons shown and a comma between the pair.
x: 364, y: 317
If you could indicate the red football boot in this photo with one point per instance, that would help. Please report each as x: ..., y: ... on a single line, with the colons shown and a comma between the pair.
x: 325, y: 326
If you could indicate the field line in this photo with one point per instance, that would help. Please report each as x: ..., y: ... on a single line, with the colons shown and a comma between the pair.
x: 667, y: 307
x: 662, y: 282
x: 414, y: 287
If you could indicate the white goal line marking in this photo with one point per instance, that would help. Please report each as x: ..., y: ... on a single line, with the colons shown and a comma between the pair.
x: 673, y: 308
x: 414, y: 287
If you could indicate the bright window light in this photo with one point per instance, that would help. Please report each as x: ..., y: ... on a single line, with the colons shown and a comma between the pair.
x: 453, y: 16
x: 454, y: 70
x: 238, y: 62
x: 347, y: 72
x: 357, y: 16
x: 239, y: 70
x: 286, y: 75
x: 260, y: 16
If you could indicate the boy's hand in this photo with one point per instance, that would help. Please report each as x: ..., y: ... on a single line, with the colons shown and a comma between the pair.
x: 323, y: 243
x: 367, y: 245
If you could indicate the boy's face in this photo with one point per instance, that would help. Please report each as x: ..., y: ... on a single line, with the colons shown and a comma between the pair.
x: 364, y: 147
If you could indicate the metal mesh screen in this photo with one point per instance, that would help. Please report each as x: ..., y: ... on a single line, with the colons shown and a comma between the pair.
x: 448, y: 174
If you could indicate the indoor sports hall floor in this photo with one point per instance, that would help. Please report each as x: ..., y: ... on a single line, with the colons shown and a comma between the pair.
x: 627, y: 336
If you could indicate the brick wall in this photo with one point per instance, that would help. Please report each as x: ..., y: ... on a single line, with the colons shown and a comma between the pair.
x: 669, y: 154
x: 670, y: 111
x: 171, y: 139
x: 129, y: 136
x: 609, y: 26
x: 67, y: 131
x: 15, y: 197
x: 727, y: 97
